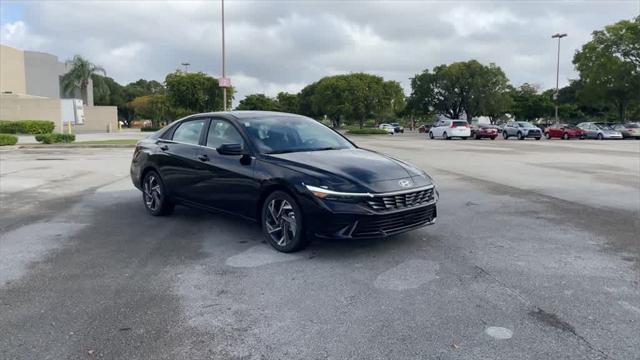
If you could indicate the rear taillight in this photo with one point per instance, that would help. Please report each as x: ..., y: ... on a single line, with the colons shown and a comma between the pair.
x: 452, y: 126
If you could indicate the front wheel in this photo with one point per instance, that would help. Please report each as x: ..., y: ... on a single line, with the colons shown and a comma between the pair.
x: 520, y: 136
x: 493, y: 137
x: 547, y: 136
x: 154, y: 195
x: 600, y: 137
x: 505, y: 135
x: 445, y: 136
x: 430, y: 135
x: 565, y: 136
x: 282, y: 222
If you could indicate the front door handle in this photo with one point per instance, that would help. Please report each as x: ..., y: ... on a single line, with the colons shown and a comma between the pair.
x: 164, y: 147
x: 203, y: 157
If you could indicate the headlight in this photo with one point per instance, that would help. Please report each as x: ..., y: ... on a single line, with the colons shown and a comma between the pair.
x: 326, y: 194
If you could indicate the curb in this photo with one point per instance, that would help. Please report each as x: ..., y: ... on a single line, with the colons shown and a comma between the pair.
x: 73, y: 146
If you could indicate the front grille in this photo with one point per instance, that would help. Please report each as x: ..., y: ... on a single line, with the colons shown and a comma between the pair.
x: 400, y: 201
x: 381, y: 225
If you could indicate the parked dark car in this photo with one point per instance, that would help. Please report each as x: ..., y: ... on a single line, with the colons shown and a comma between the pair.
x: 424, y: 128
x: 564, y: 131
x: 295, y: 176
x: 397, y: 128
x: 482, y: 131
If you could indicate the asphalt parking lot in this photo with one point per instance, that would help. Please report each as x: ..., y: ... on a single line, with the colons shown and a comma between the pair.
x: 536, y: 255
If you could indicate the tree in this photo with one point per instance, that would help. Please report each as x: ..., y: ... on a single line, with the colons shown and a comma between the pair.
x: 288, y: 102
x: 609, y: 67
x: 77, y: 78
x: 469, y: 88
x: 195, y: 92
x: 354, y: 97
x: 258, y: 102
x: 529, y: 104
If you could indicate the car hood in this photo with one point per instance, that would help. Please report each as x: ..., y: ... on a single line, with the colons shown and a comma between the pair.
x: 353, y: 170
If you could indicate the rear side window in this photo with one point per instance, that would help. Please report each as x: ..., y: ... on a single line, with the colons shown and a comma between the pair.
x: 459, y: 123
x: 189, y: 132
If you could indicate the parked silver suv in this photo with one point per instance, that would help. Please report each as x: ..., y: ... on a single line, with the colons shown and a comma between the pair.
x: 522, y: 130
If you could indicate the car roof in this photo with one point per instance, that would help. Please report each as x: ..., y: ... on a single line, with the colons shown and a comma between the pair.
x: 247, y: 114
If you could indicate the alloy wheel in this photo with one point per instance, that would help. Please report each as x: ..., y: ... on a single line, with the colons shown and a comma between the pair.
x: 152, y: 193
x: 281, y: 221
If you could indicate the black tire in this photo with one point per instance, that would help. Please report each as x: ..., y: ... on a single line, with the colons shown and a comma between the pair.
x: 478, y: 137
x: 465, y: 137
x: 155, y: 196
x: 430, y: 135
x: 565, y: 136
x: 547, y: 136
x: 539, y: 137
x: 279, y: 212
x: 444, y: 136
x: 520, y: 136
x: 600, y: 137
x: 493, y: 137
x: 582, y: 137
x: 505, y: 135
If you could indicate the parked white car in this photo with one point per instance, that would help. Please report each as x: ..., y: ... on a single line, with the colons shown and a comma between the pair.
x: 447, y: 129
x: 388, y: 127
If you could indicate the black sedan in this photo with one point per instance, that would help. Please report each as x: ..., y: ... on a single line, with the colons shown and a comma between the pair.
x: 297, y: 177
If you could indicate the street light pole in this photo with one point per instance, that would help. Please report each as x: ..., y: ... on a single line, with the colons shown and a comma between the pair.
x: 224, y: 89
x: 186, y: 66
x: 558, y: 36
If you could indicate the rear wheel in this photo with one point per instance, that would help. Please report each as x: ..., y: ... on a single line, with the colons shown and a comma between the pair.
x: 565, y: 136
x: 430, y: 135
x: 493, y: 137
x: 444, y: 136
x: 600, y: 137
x: 282, y: 222
x: 538, y: 138
x: 547, y: 135
x: 520, y: 136
x: 154, y: 195
x: 505, y: 135
x: 465, y: 137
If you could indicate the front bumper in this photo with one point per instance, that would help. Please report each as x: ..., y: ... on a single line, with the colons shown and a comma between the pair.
x: 533, y: 134
x: 355, y: 221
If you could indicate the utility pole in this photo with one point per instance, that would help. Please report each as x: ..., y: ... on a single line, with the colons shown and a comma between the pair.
x: 555, y: 96
x: 186, y: 66
x: 224, y: 89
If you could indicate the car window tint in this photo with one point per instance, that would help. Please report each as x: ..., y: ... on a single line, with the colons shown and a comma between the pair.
x: 222, y: 132
x: 459, y: 123
x: 189, y: 132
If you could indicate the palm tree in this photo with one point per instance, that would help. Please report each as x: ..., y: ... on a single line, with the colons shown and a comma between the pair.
x: 79, y: 75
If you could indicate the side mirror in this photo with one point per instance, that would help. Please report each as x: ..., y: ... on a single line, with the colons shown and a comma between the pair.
x: 230, y: 149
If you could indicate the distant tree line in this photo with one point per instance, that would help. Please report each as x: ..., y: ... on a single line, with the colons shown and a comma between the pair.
x: 181, y: 94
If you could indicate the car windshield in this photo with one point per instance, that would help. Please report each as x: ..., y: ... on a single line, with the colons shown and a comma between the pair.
x: 631, y: 126
x: 284, y: 134
x: 525, y: 124
x: 604, y: 126
x: 395, y: 124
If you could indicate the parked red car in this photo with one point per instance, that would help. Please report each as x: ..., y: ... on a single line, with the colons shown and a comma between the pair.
x: 564, y: 131
x: 484, y: 131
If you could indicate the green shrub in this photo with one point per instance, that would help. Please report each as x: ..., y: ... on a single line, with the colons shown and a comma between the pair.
x: 26, y: 127
x: 8, y: 139
x: 367, y: 131
x: 150, y: 128
x: 55, y: 138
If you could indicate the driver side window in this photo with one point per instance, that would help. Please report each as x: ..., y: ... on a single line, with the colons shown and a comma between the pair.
x: 222, y: 132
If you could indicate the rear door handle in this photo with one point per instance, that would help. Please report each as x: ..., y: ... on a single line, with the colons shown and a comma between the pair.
x: 203, y: 157
x: 164, y: 147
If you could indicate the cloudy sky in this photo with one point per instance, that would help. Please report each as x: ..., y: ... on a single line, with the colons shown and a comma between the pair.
x: 283, y: 45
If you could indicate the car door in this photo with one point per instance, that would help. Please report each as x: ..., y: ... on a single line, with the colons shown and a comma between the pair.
x: 226, y: 182
x: 177, y: 161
